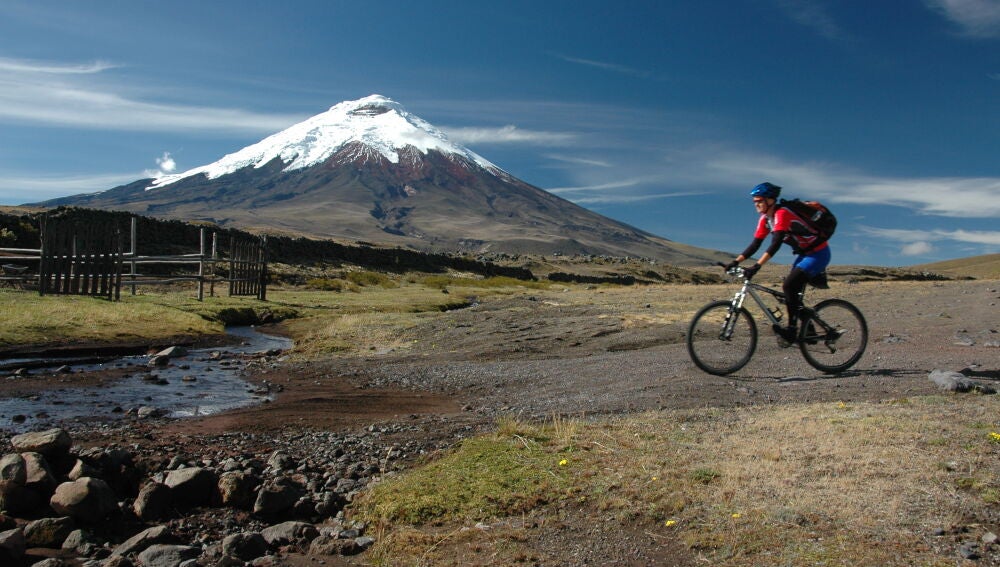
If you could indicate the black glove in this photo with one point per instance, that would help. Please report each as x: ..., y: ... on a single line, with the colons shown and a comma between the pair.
x: 750, y: 271
x: 731, y: 265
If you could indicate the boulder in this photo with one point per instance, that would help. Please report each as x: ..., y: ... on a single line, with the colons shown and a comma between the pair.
x: 118, y: 561
x: 48, y: 532
x: 12, y: 546
x: 329, y: 545
x: 39, y: 475
x: 153, y: 502
x: 246, y: 546
x: 236, y: 489
x: 88, y: 499
x: 192, y: 486
x: 161, y: 555
x: 144, y: 539
x: 277, y: 496
x: 289, y: 533
x: 13, y: 468
x: 53, y: 443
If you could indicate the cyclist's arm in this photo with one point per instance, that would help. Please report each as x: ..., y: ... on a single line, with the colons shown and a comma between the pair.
x: 777, y: 237
x: 751, y: 249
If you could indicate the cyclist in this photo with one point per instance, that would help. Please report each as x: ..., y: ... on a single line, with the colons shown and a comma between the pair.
x: 785, y: 226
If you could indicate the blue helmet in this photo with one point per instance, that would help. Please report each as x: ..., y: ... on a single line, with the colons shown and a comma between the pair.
x: 766, y: 190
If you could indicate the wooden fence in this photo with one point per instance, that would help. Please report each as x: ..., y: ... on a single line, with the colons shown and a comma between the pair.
x: 89, y: 259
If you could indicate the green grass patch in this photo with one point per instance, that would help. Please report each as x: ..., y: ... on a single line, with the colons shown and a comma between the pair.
x: 484, y: 477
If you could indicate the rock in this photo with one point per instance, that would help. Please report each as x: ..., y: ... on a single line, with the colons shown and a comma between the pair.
x: 39, y: 474
x: 78, y: 539
x: 958, y: 382
x: 48, y: 532
x: 12, y: 468
x: 245, y: 546
x: 236, y: 489
x: 280, y: 461
x: 53, y: 443
x: 193, y: 486
x: 88, y: 499
x: 144, y: 539
x: 51, y: 562
x: 364, y: 542
x: 146, y: 412
x: 160, y: 555
x: 81, y: 469
x: 329, y: 545
x: 14, y: 497
x: 117, y: 561
x: 277, y: 496
x: 153, y: 502
x: 172, y: 352
x: 288, y: 533
x: 12, y: 546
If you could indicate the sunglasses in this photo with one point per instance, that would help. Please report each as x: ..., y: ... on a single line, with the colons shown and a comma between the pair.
x: 759, y: 199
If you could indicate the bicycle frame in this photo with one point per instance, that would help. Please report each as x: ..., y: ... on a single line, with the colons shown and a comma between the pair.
x: 752, y: 289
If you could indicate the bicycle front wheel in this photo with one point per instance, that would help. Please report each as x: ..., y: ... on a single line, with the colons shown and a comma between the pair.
x: 833, y: 336
x: 721, y: 341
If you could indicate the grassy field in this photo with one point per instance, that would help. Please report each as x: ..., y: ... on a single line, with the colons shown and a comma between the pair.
x: 894, y: 483
x: 820, y: 484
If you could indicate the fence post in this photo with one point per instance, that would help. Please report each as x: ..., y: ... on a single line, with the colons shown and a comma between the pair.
x: 133, y: 248
x: 201, y: 265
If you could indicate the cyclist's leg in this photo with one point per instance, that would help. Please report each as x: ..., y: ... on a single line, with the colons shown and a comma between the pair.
x: 806, y: 267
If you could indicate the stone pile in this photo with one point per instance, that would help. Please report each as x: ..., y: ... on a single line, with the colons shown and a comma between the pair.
x: 116, y: 507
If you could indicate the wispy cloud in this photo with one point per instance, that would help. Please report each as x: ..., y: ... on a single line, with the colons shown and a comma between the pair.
x: 509, y: 134
x: 922, y: 242
x: 814, y: 15
x: 626, y: 199
x: 80, y: 95
x: 976, y: 197
x: 576, y: 161
x: 27, y: 66
x: 974, y: 18
x: 605, y: 66
x: 35, y: 188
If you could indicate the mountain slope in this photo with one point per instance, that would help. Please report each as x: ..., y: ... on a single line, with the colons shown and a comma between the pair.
x: 368, y: 170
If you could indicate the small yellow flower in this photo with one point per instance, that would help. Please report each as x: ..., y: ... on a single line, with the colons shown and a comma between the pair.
x: 563, y: 463
x: 737, y: 515
x: 656, y: 478
x: 841, y: 405
x: 670, y: 523
x: 995, y: 437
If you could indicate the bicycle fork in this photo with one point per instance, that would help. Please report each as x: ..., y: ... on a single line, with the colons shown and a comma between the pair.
x: 729, y: 325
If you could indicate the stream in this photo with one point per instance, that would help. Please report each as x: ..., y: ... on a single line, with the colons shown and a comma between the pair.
x: 199, y: 382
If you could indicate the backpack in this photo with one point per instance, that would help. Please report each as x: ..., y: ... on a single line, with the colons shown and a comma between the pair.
x: 817, y: 216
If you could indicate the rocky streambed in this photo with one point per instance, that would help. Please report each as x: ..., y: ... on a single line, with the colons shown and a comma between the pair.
x: 170, y: 505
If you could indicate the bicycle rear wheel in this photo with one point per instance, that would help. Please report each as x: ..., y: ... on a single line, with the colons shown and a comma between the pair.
x: 833, y: 336
x: 721, y: 344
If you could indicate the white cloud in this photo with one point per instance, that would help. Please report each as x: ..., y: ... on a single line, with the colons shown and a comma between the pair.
x: 975, y: 18
x: 917, y: 249
x: 82, y: 96
x: 166, y: 163
x: 625, y: 199
x: 509, y: 134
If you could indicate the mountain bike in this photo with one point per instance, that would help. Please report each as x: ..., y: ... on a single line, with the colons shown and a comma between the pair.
x: 722, y: 337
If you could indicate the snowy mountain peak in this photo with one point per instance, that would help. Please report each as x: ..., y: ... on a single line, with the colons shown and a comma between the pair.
x: 379, y: 123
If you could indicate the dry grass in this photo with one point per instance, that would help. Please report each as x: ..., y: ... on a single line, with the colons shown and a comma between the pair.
x: 835, y: 484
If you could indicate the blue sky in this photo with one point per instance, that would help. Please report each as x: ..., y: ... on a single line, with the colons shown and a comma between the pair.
x: 659, y: 114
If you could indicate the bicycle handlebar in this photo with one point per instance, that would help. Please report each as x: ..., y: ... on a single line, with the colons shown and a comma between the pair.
x: 736, y: 271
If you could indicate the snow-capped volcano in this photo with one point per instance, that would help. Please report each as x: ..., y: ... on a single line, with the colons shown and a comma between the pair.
x: 369, y: 170
x: 374, y: 124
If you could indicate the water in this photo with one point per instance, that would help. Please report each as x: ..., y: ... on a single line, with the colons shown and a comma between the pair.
x: 192, y: 385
